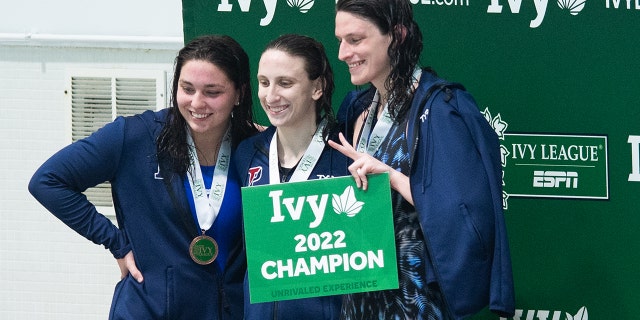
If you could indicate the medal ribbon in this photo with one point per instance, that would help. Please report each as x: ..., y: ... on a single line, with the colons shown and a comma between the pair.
x: 369, y: 140
x: 307, y: 162
x: 208, y: 206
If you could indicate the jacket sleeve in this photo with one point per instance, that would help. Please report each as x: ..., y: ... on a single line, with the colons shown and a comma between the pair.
x: 502, y: 300
x: 58, y: 185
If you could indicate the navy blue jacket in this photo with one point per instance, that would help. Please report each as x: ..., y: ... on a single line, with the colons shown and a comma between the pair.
x: 456, y: 184
x: 158, y: 230
x: 252, y: 162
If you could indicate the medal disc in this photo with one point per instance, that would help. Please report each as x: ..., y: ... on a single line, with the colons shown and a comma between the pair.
x: 203, y: 250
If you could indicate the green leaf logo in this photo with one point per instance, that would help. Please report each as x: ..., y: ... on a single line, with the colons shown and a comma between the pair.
x: 302, y: 5
x: 574, y: 6
x: 496, y: 123
x: 347, y: 203
x: 499, y: 126
x: 581, y: 315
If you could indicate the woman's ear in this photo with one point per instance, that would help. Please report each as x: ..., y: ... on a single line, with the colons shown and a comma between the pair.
x: 400, y: 32
x: 240, y: 95
x: 317, y: 91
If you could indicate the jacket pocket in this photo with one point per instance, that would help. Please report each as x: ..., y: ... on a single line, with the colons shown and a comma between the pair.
x: 170, y: 299
x: 116, y: 295
x: 477, y: 238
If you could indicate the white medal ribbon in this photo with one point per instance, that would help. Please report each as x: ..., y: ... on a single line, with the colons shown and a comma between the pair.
x: 208, y: 206
x: 307, y: 162
x: 369, y: 140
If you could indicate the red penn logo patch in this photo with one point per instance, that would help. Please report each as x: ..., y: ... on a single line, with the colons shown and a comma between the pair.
x: 255, y: 174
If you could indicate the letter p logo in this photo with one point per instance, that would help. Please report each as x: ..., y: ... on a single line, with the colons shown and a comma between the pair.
x: 255, y: 174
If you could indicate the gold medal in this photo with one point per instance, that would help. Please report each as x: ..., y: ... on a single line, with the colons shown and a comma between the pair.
x: 203, y: 250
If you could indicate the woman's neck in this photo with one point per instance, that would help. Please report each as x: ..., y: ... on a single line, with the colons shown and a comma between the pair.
x: 293, y: 142
x: 208, y: 145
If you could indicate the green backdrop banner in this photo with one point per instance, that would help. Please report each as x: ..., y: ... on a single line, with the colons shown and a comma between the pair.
x: 562, y: 73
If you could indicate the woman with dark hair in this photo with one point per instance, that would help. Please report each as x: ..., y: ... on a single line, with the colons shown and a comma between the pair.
x: 443, y: 160
x: 179, y: 241
x: 295, y: 85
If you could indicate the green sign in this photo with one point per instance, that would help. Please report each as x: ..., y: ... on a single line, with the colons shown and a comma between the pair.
x: 319, y: 238
x: 555, y: 166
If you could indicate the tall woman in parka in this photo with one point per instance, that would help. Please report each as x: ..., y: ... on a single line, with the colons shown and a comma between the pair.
x: 157, y: 162
x: 444, y: 164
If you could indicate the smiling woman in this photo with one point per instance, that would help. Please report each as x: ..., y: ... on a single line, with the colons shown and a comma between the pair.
x: 295, y: 85
x: 286, y: 93
x: 206, y: 98
x: 179, y: 241
x: 431, y: 138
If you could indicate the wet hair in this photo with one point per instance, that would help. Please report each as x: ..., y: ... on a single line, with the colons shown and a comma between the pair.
x: 316, y: 64
x: 393, y: 17
x: 227, y: 55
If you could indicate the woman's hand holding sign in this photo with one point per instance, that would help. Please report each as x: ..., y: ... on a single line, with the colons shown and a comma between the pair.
x: 364, y: 164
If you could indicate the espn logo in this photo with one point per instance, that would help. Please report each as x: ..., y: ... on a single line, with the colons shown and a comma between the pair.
x: 555, y: 179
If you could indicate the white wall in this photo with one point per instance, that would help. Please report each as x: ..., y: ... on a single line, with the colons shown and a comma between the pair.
x: 114, y: 17
x: 46, y: 270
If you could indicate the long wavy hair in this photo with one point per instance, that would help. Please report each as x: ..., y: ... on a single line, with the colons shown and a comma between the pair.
x: 317, y: 66
x: 226, y: 54
x: 393, y: 17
